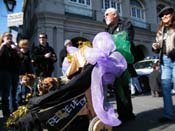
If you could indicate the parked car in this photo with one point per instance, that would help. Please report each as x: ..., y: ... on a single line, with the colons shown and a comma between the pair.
x: 143, y: 69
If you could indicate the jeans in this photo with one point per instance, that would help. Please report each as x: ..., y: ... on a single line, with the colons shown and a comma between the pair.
x: 168, y: 73
x: 173, y: 84
x: 13, y: 91
x: 21, y: 94
x: 135, y: 85
x: 5, y: 84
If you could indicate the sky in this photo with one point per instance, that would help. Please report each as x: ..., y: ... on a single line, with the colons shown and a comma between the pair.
x: 4, y: 13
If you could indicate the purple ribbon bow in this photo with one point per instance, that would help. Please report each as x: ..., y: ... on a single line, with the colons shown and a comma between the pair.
x: 109, y: 64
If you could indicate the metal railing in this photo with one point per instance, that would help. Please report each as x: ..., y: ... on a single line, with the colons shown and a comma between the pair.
x: 140, y: 24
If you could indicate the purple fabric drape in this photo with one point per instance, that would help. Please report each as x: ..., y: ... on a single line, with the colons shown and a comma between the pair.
x: 66, y: 64
x: 109, y: 64
x: 71, y: 49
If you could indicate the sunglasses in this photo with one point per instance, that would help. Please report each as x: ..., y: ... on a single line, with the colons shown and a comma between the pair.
x: 106, y: 14
x: 165, y: 13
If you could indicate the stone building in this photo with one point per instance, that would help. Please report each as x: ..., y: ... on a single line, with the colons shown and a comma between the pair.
x: 71, y: 19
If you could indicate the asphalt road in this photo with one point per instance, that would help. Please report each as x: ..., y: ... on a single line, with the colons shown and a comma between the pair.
x: 147, y: 109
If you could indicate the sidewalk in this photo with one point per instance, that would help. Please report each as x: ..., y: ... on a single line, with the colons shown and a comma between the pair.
x: 147, y: 109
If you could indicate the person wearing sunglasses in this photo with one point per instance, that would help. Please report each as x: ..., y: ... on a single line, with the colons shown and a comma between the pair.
x: 165, y: 46
x: 43, y: 57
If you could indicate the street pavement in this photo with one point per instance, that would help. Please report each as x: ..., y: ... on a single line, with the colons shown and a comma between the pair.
x: 147, y: 109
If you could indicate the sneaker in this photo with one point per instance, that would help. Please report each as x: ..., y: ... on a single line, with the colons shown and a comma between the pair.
x: 165, y: 120
x: 173, y: 91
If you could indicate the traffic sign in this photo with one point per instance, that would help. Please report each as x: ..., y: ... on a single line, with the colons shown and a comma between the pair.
x: 15, y: 19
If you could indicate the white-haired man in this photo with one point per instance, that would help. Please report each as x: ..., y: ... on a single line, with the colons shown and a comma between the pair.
x: 124, y: 104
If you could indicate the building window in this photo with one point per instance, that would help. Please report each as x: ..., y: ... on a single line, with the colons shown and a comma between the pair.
x: 137, y: 10
x: 82, y: 2
x: 112, y: 4
x: 79, y: 7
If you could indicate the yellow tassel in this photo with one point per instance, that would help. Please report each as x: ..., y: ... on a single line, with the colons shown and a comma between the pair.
x: 11, y: 121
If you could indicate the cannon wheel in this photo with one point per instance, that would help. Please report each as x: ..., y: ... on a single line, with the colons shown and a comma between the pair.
x: 97, y: 125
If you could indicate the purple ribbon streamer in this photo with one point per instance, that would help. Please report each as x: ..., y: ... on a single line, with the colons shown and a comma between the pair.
x: 109, y: 65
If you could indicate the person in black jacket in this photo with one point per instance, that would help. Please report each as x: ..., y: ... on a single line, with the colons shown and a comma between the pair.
x: 43, y: 57
x: 9, y: 73
x: 114, y: 26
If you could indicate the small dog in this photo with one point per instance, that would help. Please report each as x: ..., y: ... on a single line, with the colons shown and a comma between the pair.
x: 27, y: 80
x: 47, y: 84
x: 44, y: 85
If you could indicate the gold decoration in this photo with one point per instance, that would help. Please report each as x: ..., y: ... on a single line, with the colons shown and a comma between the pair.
x: 82, y: 44
x: 11, y: 121
x: 69, y: 57
x: 28, y: 96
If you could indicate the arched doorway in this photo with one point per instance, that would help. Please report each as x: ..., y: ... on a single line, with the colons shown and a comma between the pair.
x: 140, y: 54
